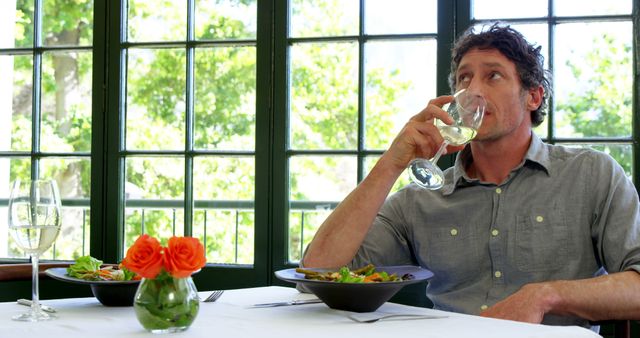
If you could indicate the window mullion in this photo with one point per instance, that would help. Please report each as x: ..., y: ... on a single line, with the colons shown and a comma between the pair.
x: 36, y: 111
x: 189, y: 121
x: 107, y: 229
x: 361, y: 168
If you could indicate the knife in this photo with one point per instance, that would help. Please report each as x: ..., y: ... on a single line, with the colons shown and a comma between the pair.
x: 291, y: 302
x: 45, y: 308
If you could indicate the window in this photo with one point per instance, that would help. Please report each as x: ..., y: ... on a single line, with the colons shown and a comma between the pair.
x: 245, y: 122
x: 356, y: 75
x: 189, y: 135
x: 588, y: 47
x: 46, y: 101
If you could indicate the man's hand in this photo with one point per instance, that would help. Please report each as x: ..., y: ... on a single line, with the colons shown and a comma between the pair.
x: 529, y: 304
x: 420, y: 137
x: 612, y: 296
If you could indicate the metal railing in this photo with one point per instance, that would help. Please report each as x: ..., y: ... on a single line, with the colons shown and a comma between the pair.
x: 173, y: 207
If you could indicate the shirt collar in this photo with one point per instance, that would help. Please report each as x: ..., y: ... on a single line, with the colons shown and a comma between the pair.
x: 537, y: 155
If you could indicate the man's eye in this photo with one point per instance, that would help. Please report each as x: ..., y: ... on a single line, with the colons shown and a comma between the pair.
x: 495, y: 76
x: 463, y: 78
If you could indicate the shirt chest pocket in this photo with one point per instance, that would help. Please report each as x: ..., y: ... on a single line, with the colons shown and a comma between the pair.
x: 541, y: 241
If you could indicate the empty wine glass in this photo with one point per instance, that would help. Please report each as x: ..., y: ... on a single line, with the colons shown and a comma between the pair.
x: 34, y: 223
x: 467, y: 111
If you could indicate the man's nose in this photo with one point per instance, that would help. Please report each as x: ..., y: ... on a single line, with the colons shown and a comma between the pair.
x: 475, y: 88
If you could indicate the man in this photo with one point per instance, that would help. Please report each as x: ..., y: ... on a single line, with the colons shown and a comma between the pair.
x: 521, y: 230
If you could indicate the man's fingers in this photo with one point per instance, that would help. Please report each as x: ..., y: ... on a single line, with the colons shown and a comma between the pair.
x: 433, y: 110
x: 425, y: 137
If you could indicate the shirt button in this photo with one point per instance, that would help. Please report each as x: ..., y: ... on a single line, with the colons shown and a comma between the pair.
x: 494, y: 232
x: 484, y: 307
x: 498, y: 191
x: 498, y: 274
x: 454, y: 232
x: 539, y: 219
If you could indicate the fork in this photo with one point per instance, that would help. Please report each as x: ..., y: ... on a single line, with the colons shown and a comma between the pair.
x: 213, y: 296
x: 372, y: 317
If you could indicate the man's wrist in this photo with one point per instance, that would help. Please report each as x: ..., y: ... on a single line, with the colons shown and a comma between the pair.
x: 549, y: 295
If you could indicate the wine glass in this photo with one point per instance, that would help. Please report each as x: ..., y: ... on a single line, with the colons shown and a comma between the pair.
x: 467, y: 110
x: 34, y: 223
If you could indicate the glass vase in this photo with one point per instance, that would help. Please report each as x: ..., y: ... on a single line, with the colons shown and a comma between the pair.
x: 166, y: 304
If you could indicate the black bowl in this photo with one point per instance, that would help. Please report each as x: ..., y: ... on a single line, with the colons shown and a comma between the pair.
x: 356, y: 297
x: 115, y: 294
x: 109, y: 293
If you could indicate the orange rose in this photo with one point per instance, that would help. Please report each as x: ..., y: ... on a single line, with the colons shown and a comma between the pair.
x: 144, y: 257
x: 183, y: 256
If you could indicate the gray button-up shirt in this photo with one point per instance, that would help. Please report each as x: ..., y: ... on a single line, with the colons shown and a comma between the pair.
x: 563, y: 213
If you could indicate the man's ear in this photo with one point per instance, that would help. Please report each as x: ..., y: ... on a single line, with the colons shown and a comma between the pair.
x: 534, y: 98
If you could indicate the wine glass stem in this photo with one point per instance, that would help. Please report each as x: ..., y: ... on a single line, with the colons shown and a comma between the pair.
x: 436, y: 157
x: 35, y: 301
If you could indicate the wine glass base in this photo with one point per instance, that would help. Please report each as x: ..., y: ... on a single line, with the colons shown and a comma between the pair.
x: 426, y: 175
x: 34, y: 316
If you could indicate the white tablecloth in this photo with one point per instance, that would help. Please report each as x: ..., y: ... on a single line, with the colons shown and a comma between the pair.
x: 231, y: 316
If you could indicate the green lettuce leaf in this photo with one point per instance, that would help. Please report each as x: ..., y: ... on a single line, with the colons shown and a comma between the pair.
x: 84, y: 267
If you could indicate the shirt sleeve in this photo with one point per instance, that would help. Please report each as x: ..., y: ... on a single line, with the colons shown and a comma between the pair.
x: 387, y: 241
x: 616, y: 227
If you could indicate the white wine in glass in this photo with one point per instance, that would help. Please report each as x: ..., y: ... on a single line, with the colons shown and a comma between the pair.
x: 34, y: 223
x: 467, y: 111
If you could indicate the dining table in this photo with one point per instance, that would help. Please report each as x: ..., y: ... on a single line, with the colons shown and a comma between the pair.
x: 233, y: 315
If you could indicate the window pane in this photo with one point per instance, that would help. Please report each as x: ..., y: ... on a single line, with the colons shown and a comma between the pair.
x: 73, y: 176
x: 156, y: 99
x: 154, y: 197
x: 324, y: 96
x: 74, y: 238
x: 593, y: 79
x: 591, y: 7
x: 303, y: 224
x: 11, y: 168
x: 225, y: 97
x: 227, y: 234
x: 400, y: 79
x: 224, y: 178
x: 154, y: 178
x: 16, y: 23
x: 152, y: 20
x: 67, y: 23
x: 66, y: 102
x: 504, y: 9
x: 324, y: 17
x: 16, y: 87
x: 226, y: 19
x: 309, y: 205
x: 224, y: 217
x: 337, y: 175
x: 401, y: 16
x: 161, y: 223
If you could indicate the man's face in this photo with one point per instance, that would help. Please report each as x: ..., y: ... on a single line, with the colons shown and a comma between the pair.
x: 490, y: 74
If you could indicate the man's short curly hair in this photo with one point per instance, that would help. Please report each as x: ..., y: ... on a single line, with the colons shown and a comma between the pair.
x: 512, y: 44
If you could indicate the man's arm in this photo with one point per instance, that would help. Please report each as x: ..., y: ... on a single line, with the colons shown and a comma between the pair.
x: 339, y: 237
x: 613, y: 296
